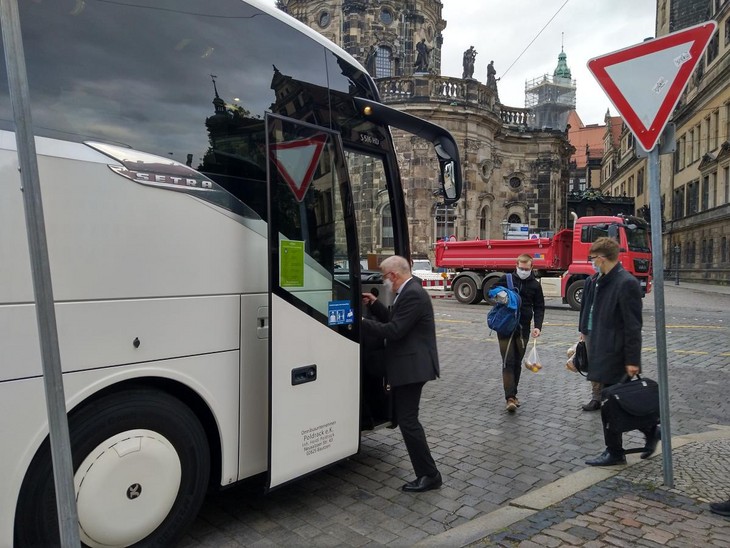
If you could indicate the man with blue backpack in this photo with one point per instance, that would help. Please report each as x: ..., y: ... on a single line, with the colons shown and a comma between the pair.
x: 511, y: 319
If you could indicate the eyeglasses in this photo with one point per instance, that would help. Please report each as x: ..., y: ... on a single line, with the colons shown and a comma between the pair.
x: 592, y: 257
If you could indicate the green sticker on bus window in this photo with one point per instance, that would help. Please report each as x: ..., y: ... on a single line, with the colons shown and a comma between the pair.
x: 291, y: 263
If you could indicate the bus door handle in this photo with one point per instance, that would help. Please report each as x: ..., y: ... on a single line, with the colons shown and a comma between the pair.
x: 262, y: 323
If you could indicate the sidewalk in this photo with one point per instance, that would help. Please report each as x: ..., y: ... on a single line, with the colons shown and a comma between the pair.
x: 617, y: 506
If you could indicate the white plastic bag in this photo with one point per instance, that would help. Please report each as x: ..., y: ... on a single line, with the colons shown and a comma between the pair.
x: 532, y: 360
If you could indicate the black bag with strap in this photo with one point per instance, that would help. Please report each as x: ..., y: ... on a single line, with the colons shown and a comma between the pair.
x: 580, y: 358
x: 630, y: 404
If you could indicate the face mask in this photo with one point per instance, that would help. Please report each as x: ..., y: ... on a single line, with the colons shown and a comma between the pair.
x: 596, y: 267
x: 388, y: 283
x: 523, y: 274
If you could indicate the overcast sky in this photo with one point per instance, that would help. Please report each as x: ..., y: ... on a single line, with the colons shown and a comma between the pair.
x: 501, y: 29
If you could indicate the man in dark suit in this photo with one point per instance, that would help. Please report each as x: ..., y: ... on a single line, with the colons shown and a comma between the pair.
x: 615, y: 340
x: 411, y: 360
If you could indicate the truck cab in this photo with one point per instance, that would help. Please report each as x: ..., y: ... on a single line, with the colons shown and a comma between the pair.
x: 632, y: 234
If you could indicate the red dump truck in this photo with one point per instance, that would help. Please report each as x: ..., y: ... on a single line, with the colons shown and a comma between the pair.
x: 560, y: 263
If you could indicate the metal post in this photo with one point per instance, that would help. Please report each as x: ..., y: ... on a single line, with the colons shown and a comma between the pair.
x: 41, y: 272
x: 660, y: 322
x: 677, y: 250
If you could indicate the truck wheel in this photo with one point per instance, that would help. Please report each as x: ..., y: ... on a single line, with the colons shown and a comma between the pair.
x: 575, y: 294
x: 489, y: 284
x: 141, y: 467
x: 465, y: 290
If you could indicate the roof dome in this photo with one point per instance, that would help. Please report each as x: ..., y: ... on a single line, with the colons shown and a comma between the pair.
x: 562, y: 70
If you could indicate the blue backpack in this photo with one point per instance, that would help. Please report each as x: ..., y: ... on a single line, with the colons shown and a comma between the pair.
x: 505, y: 317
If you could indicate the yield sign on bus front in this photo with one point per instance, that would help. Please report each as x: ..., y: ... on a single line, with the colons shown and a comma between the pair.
x: 297, y: 161
x: 645, y: 81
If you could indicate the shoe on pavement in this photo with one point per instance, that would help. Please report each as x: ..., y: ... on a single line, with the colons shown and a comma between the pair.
x: 607, y: 459
x: 517, y: 402
x: 423, y: 483
x: 720, y: 508
x: 651, y: 443
x: 511, y: 405
x: 593, y: 405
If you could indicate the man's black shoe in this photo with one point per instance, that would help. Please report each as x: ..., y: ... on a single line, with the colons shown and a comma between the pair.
x: 424, y: 483
x: 721, y: 508
x: 651, y: 443
x: 607, y: 459
x: 593, y: 405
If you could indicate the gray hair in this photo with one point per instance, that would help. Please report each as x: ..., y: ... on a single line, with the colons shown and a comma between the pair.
x: 397, y: 264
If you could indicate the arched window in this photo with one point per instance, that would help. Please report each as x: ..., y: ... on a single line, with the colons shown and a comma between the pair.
x: 384, y: 62
x: 514, y: 218
x: 386, y: 228
x: 484, y: 223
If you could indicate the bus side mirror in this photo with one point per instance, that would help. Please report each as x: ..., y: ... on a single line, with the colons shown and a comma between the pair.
x: 448, y: 184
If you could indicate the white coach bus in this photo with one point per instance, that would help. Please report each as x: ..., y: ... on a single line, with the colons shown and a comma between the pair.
x: 211, y: 173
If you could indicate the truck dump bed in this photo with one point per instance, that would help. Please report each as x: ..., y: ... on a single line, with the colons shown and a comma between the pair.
x: 548, y: 253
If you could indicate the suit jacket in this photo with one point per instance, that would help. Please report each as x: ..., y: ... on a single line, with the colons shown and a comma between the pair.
x: 410, y: 334
x: 616, y: 333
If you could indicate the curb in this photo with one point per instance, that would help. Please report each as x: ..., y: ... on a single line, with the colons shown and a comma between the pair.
x: 548, y: 495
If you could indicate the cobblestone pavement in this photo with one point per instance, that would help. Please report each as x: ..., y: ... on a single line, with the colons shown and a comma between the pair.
x: 633, y: 508
x: 489, y: 458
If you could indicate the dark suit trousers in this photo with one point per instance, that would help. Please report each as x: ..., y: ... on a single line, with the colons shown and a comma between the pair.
x: 512, y: 350
x: 406, y: 399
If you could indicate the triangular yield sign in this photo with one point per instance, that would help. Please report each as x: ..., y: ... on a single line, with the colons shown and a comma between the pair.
x: 297, y: 161
x: 645, y: 81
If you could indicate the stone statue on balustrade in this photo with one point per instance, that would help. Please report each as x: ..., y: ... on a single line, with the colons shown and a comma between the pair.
x: 370, y: 60
x: 470, y: 56
x: 422, y: 56
x: 491, y: 76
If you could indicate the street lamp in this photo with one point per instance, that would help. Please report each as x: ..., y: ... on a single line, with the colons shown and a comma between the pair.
x: 505, y: 228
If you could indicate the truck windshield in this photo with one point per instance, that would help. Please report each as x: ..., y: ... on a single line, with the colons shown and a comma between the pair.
x: 638, y: 239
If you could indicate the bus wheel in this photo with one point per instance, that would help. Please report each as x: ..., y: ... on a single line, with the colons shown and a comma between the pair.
x: 465, y: 290
x: 141, y: 467
x: 575, y: 294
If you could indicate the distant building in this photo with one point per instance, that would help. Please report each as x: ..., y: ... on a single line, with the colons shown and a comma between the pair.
x: 515, y: 170
x: 695, y: 180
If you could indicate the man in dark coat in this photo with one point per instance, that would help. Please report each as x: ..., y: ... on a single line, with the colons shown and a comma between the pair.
x: 512, y: 347
x: 615, y: 347
x: 411, y: 360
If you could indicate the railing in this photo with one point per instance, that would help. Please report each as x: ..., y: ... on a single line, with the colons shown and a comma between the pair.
x: 454, y: 91
x: 438, y: 89
x: 513, y: 116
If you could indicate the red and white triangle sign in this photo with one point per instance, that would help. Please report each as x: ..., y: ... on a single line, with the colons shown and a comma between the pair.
x: 645, y: 81
x: 297, y: 161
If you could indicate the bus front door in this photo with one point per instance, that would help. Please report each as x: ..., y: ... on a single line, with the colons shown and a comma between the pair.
x: 314, y: 304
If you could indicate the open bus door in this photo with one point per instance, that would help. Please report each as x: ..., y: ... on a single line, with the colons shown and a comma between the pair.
x: 314, y: 302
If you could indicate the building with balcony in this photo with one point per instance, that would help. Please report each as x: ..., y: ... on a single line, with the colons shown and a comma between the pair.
x: 514, y: 169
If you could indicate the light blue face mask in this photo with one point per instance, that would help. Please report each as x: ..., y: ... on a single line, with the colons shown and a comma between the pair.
x: 595, y: 267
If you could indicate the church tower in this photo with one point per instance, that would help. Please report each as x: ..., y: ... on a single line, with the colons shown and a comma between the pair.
x: 389, y: 37
x: 552, y: 97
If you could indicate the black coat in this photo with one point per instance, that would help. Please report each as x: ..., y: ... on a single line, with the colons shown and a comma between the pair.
x: 409, y: 330
x: 586, y: 303
x: 533, y: 300
x: 616, y: 333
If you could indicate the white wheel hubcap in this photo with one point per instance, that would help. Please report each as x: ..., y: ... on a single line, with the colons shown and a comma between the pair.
x: 126, y: 487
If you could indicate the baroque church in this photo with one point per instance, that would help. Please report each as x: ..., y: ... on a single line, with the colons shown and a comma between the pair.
x: 515, y: 165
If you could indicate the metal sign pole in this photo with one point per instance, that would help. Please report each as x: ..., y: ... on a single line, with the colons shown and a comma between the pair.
x: 657, y: 252
x: 45, y: 313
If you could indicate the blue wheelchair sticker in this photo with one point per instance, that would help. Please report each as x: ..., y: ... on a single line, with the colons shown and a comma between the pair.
x: 339, y: 313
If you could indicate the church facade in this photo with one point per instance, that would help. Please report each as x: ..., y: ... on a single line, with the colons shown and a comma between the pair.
x: 512, y: 170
